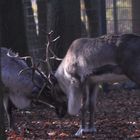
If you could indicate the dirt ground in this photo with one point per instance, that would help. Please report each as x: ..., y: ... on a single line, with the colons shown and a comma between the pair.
x: 117, y: 118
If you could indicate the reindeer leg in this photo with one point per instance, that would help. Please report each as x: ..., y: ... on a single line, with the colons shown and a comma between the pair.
x: 82, y: 128
x: 89, y: 98
x: 92, y: 108
x: 8, y: 110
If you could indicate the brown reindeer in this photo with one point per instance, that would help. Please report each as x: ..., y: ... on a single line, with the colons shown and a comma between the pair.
x: 91, y: 61
x: 128, y: 56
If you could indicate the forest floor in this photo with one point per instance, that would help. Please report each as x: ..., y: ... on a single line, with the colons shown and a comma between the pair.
x: 117, y: 118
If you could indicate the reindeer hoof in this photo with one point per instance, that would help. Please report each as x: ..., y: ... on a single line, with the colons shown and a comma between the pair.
x: 81, y: 131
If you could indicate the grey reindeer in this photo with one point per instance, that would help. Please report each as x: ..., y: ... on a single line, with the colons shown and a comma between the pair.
x: 91, y: 61
x: 23, y: 87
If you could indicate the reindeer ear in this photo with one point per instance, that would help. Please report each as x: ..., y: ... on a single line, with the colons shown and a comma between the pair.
x: 53, y: 79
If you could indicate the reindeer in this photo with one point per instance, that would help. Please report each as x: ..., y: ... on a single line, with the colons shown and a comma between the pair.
x: 128, y: 56
x: 23, y: 85
x: 91, y: 61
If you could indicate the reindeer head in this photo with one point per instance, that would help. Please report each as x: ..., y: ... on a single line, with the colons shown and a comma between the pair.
x: 51, y: 95
x: 57, y: 95
x: 49, y: 92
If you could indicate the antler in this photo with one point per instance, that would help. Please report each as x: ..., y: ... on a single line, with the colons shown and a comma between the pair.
x: 53, y: 41
x: 34, y: 67
x: 49, y: 50
x: 50, y: 54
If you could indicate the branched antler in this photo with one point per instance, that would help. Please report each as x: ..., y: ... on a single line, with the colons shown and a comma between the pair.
x: 50, y: 52
x: 33, y: 67
x: 49, y: 45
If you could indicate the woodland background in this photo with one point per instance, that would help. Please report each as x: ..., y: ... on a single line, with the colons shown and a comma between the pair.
x: 24, y: 25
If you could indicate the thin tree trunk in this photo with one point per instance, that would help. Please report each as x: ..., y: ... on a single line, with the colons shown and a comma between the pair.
x: 2, y: 126
x: 95, y: 10
x: 30, y: 30
x: 13, y: 29
x: 136, y: 16
x: 42, y: 22
x: 42, y: 29
x: 92, y: 15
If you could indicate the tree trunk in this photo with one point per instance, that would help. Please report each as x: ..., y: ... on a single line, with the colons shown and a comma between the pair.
x: 63, y: 17
x: 42, y: 22
x: 136, y: 16
x: 42, y: 29
x: 13, y: 29
x: 2, y: 126
x: 30, y: 30
x: 95, y: 10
